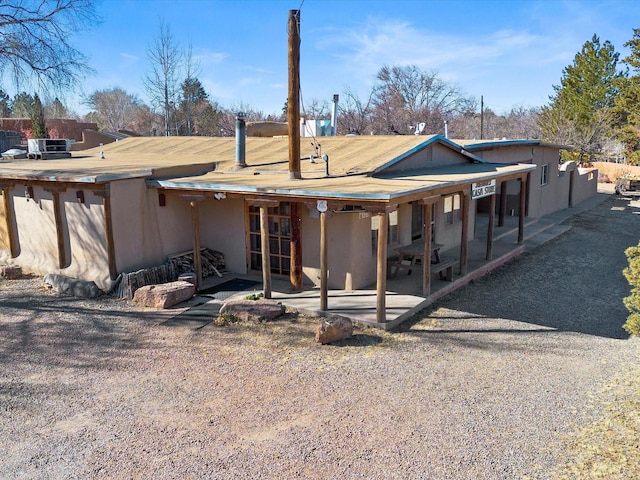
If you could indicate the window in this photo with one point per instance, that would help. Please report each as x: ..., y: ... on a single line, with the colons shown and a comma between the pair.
x: 417, y: 220
x: 452, y: 210
x: 279, y: 220
x: 544, y: 176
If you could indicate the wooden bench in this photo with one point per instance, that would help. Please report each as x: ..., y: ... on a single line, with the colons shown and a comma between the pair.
x: 445, y: 268
x: 412, y: 253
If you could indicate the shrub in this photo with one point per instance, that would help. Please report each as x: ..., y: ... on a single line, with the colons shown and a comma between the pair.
x: 632, y: 302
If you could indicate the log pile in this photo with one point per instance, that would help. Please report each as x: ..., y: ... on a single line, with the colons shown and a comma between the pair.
x: 127, y: 283
x: 212, y: 262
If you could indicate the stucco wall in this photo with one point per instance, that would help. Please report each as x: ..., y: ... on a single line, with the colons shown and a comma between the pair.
x: 350, y: 261
x: 433, y: 156
x: 222, y: 228
x: 84, y: 237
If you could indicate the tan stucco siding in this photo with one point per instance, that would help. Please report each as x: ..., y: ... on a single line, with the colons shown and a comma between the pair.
x: 223, y: 228
x: 350, y: 263
x: 432, y: 156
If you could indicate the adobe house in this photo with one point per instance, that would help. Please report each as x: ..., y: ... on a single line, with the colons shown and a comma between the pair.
x: 132, y: 203
x: 552, y: 186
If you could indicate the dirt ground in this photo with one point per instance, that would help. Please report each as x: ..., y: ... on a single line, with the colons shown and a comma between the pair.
x: 495, y: 381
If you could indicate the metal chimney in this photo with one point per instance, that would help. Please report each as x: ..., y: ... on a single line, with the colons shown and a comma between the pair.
x: 240, y: 140
x: 334, y: 108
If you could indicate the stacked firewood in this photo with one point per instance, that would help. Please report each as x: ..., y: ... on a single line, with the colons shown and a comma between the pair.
x: 212, y: 262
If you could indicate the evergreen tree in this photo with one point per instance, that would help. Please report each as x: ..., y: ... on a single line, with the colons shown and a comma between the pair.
x: 194, y: 99
x: 5, y: 104
x: 627, y: 104
x: 632, y: 302
x: 22, y: 105
x: 56, y: 109
x: 580, y: 112
x: 38, y: 126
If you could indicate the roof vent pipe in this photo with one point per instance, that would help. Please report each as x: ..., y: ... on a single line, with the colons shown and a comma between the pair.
x: 240, y: 140
x: 334, y: 107
x: 446, y: 129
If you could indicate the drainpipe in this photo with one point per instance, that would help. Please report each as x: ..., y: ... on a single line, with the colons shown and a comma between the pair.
x: 334, y: 108
x: 240, y: 141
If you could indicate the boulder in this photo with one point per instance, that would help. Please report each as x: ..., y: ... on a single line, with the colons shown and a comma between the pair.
x: 164, y: 295
x: 263, y: 310
x: 72, y: 286
x: 334, y: 328
x: 11, y: 272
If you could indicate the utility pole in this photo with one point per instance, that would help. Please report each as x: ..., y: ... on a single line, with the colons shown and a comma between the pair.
x: 293, y: 102
x: 481, y: 117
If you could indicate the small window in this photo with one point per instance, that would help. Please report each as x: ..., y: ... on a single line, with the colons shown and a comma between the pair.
x: 544, y: 177
x: 452, y: 211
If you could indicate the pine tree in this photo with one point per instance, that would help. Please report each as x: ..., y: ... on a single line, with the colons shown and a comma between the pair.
x: 632, y: 302
x: 580, y: 112
x: 38, y: 126
x: 627, y: 104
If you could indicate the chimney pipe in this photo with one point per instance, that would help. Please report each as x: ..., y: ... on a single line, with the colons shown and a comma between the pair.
x: 446, y: 129
x: 240, y: 140
x: 334, y: 108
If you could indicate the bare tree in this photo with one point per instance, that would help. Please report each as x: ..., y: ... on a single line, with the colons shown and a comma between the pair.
x: 114, y: 108
x: 35, y: 41
x: 406, y: 96
x: 190, y: 89
x: 162, y: 84
x: 355, y: 115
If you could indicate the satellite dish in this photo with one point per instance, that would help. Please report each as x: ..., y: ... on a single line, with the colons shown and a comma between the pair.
x: 322, y: 206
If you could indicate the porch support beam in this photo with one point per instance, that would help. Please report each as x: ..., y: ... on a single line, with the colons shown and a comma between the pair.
x: 295, y: 268
x: 381, y: 268
x: 194, y: 201
x: 266, y: 254
x: 464, y: 236
x: 9, y: 219
x: 491, y: 227
x: 264, y: 205
x: 324, y: 269
x: 522, y: 209
x: 426, y: 267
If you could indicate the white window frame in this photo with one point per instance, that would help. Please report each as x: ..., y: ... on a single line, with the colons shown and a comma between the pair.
x: 544, y: 175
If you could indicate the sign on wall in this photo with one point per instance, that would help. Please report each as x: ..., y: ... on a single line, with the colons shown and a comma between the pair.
x: 483, y: 189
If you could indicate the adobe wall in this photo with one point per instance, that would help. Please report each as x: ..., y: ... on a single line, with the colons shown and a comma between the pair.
x: 84, y: 241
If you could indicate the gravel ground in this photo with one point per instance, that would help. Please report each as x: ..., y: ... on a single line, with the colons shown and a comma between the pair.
x: 489, y: 383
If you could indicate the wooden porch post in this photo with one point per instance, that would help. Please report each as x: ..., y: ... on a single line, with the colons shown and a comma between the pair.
x: 266, y: 254
x: 522, y: 210
x: 295, y: 275
x: 427, y: 237
x: 9, y: 220
x: 492, y: 221
x: 503, y: 204
x: 324, y: 288
x: 464, y: 237
x: 381, y: 278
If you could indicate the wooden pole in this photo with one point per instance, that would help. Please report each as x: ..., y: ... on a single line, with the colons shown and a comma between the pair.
x: 324, y: 288
x: 522, y: 210
x: 8, y: 216
x: 381, y: 280
x: 295, y: 270
x: 426, y: 268
x: 195, y: 227
x: 57, y: 215
x: 465, y: 233
x: 293, y: 99
x: 492, y: 222
x: 266, y: 254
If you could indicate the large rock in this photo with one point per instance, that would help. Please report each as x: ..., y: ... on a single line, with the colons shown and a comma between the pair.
x: 262, y: 310
x: 72, y: 286
x: 164, y: 295
x: 334, y: 328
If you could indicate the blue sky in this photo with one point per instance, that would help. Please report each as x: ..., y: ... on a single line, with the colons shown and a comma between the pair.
x: 510, y: 52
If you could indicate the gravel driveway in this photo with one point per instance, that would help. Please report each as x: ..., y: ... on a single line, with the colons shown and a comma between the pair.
x: 489, y: 383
